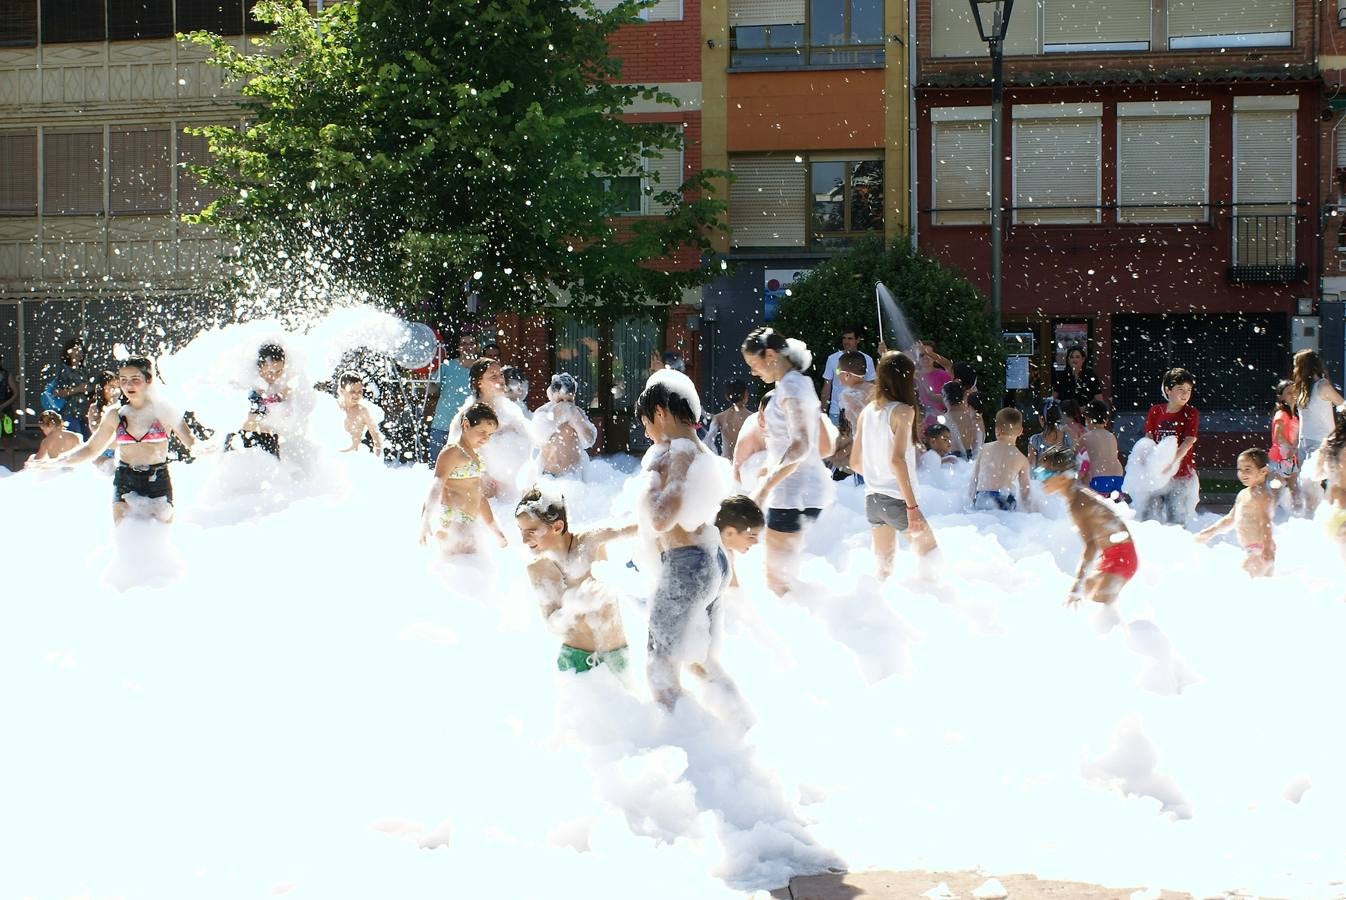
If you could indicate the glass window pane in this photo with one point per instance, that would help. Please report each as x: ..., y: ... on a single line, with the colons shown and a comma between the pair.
x: 218, y: 16
x: 827, y: 22
x: 866, y: 21
x: 867, y: 195
x: 133, y: 20
x: 786, y: 36
x: 72, y: 20
x: 828, y: 191
x: 576, y: 353
x: 623, y: 194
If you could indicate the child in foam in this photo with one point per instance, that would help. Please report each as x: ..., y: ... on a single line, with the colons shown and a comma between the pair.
x: 1284, y: 452
x: 681, y: 496
x: 1251, y: 515
x: 1175, y: 502
x: 728, y: 422
x: 511, y: 448
x: 457, y: 508
x: 562, y: 430
x: 885, y: 454
x: 56, y: 438
x: 360, y: 417
x: 1104, y: 472
x: 1109, y: 560
x: 965, y: 425
x: 140, y: 437
x: 574, y: 604
x: 1000, y: 467
x: 796, y: 486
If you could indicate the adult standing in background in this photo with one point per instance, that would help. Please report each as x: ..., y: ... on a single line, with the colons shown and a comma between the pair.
x: 74, y: 386
x: 1076, y: 381
x: 850, y: 341
x: 450, y: 387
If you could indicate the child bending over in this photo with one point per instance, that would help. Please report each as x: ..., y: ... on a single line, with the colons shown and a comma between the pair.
x: 1109, y: 560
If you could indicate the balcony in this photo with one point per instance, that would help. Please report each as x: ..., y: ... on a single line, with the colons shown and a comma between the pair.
x: 1262, y: 249
x: 785, y: 46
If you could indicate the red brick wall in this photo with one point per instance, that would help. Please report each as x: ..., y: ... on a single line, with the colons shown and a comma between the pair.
x: 661, y: 51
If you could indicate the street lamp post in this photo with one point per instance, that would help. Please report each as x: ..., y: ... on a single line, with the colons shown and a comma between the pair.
x: 992, y: 30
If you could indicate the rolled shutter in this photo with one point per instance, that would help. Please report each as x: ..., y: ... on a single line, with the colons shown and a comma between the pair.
x: 1207, y: 18
x: 1264, y: 187
x: 138, y: 171
x: 1162, y: 159
x: 669, y: 172
x: 767, y: 202
x: 766, y: 12
x: 664, y: 11
x: 193, y: 149
x: 18, y: 173
x: 962, y: 167
x: 72, y: 179
x: 1095, y: 22
x: 954, y: 32
x: 1057, y: 164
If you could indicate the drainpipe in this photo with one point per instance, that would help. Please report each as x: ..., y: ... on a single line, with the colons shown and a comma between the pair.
x: 913, y: 152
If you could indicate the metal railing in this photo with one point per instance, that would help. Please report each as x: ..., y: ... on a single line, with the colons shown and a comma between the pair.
x: 1262, y: 248
x: 787, y: 46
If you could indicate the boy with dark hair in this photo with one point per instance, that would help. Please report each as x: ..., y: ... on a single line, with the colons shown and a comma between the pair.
x: 1251, y: 515
x: 1175, y: 502
x: 1107, y: 542
x: 727, y: 423
x: 360, y: 415
x: 740, y: 522
x: 850, y: 343
x: 965, y: 424
x: 939, y: 440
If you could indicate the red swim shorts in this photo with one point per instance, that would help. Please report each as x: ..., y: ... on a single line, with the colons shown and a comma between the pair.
x: 1119, y: 559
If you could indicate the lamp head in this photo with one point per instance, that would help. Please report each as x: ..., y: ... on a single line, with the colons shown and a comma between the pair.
x: 992, y: 18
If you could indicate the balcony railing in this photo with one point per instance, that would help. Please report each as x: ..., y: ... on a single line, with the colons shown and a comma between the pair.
x: 1262, y: 249
x: 786, y: 47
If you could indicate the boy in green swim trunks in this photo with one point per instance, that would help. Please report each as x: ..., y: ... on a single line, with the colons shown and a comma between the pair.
x: 578, y: 607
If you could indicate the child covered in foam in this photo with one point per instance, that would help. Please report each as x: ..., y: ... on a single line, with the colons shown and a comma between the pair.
x: 681, y: 497
x: 562, y: 430
x: 457, y: 509
x: 508, y: 457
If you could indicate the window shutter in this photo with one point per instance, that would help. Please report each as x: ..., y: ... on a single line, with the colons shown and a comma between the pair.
x: 954, y: 32
x: 669, y: 170
x: 67, y: 21
x: 219, y: 16
x: 1095, y: 22
x: 18, y: 23
x: 1162, y: 159
x: 664, y: 11
x: 767, y: 203
x: 962, y: 167
x: 72, y: 178
x: 18, y: 173
x: 193, y: 149
x: 138, y: 171
x: 1207, y: 18
x: 1264, y: 159
x: 766, y: 12
x: 1057, y: 163
x: 133, y: 20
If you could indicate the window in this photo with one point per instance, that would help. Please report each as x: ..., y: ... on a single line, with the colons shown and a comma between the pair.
x: 133, y: 20
x: 1057, y: 162
x: 1162, y: 158
x: 18, y: 23
x: 954, y: 33
x: 624, y: 194
x: 659, y: 11
x: 961, y: 163
x: 72, y: 175
x: 780, y: 200
x: 65, y: 21
x: 219, y: 16
x: 252, y: 26
x: 193, y: 196
x: 635, y: 193
x: 846, y: 198
x: 138, y: 171
x: 18, y: 173
x: 1264, y: 181
x: 783, y: 33
x: 1217, y: 24
x: 1082, y: 26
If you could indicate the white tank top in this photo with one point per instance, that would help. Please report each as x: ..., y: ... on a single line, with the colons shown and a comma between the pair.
x: 876, y: 448
x: 1315, y: 420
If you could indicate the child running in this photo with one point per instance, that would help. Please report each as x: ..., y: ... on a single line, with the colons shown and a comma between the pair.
x: 360, y: 418
x: 457, y: 501
x: 1107, y: 542
x: 681, y: 497
x: 728, y: 422
x: 1251, y: 515
x: 1105, y: 472
x: 562, y: 430
x: 56, y: 438
x: 1000, y: 466
x: 138, y: 433
x: 885, y: 454
x: 1284, y: 452
x: 574, y: 604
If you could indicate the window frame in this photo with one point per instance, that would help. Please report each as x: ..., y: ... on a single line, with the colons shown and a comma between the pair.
x: 1054, y: 112
x: 1171, y: 109
x: 849, y: 161
x: 949, y: 115
x: 801, y: 56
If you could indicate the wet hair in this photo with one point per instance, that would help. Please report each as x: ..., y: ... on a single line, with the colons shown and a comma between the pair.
x: 349, y: 378
x: 852, y: 362
x: 514, y: 375
x: 1009, y: 417
x: 672, y: 359
x: 478, y: 372
x: 478, y: 413
x: 1281, y: 405
x: 104, y: 379
x: 735, y: 391
x: 544, y: 508
x: 1052, y: 417
x: 1257, y: 456
x: 658, y: 395
x: 966, y: 374
x: 953, y: 392
x: 1096, y: 412
x: 895, y: 379
x: 1175, y: 377
x: 740, y: 513
x: 51, y: 417
x: 138, y: 362
x: 1070, y: 410
x: 937, y: 430
x: 68, y: 346
x: 270, y: 353
x: 1057, y: 458
x: 765, y: 338
x: 1307, y: 369
x: 565, y: 383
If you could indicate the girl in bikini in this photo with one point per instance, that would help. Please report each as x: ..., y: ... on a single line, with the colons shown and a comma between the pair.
x: 136, y: 430
x: 457, y: 506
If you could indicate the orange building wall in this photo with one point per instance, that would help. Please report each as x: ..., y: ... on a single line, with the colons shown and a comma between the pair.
x: 817, y: 110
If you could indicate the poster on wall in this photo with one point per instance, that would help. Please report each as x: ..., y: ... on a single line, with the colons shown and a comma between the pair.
x: 777, y: 285
x: 1016, y: 373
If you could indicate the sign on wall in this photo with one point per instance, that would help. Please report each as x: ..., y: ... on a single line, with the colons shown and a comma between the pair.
x: 776, y: 288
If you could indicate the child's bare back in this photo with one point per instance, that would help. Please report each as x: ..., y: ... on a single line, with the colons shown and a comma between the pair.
x: 729, y: 423
x: 1101, y: 445
x: 1000, y: 466
x: 965, y: 428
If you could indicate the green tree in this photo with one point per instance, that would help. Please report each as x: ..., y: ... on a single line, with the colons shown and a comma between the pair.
x: 940, y: 305
x: 424, y: 149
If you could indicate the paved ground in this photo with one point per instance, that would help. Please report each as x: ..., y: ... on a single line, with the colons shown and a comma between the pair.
x: 914, y: 885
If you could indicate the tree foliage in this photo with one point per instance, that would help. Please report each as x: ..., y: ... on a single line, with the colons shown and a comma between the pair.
x: 424, y: 148
x: 940, y: 305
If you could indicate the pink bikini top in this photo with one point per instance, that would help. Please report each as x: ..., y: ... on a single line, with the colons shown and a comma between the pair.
x: 155, y: 435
